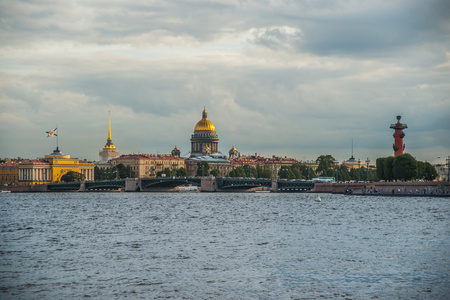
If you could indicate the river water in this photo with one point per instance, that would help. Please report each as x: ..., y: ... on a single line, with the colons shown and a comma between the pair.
x: 223, y: 246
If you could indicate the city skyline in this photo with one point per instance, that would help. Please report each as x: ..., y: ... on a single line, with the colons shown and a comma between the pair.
x: 297, y: 79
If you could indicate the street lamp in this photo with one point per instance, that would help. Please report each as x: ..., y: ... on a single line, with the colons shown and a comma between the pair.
x: 367, y: 162
x: 359, y: 170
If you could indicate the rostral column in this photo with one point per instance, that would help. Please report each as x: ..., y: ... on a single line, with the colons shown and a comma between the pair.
x: 398, y: 136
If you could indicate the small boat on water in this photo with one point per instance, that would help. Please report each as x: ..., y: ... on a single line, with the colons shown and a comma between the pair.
x: 188, y: 188
x: 318, y: 199
x: 5, y: 191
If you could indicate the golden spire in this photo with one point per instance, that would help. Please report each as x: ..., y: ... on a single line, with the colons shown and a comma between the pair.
x: 109, y: 144
x: 109, y: 130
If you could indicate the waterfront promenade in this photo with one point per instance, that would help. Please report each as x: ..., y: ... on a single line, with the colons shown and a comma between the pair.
x: 409, y: 188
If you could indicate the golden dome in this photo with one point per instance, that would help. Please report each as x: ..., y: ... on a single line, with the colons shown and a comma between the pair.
x: 109, y: 146
x: 204, y: 124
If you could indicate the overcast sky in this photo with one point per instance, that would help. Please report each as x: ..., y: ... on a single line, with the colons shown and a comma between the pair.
x: 277, y: 77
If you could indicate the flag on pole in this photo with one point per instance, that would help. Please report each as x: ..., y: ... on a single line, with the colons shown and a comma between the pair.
x: 52, y: 133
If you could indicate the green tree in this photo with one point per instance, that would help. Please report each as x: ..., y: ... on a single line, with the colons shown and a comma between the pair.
x: 181, y: 172
x: 166, y: 173
x: 267, y: 173
x: 202, y: 168
x: 326, y: 164
x: 388, y: 166
x: 215, y: 173
x: 286, y: 173
x: 380, y: 168
x: 72, y: 176
x: 98, y: 173
x: 240, y: 172
x: 307, y: 172
x: 430, y: 172
x: 124, y: 172
x: 420, y: 170
x: 354, y: 174
x: 343, y: 173
x: 250, y: 171
x: 404, y: 167
x: 169, y: 172
x: 297, y: 171
x: 259, y: 172
x: 237, y: 172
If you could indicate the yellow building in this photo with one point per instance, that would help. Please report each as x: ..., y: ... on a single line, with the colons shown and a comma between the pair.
x: 52, y: 168
x: 9, y: 173
x: 148, y: 165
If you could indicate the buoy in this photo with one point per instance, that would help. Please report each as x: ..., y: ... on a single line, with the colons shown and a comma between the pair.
x: 318, y: 199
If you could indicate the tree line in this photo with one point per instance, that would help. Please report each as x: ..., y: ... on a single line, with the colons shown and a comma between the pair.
x: 117, y: 172
x: 181, y: 172
x: 404, y: 167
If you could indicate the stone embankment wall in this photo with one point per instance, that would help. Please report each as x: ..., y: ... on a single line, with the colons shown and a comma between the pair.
x: 410, y: 187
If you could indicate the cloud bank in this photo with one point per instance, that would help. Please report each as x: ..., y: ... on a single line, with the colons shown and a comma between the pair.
x: 290, y: 78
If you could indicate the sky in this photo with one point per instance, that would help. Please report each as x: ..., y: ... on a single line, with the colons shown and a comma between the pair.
x: 277, y: 77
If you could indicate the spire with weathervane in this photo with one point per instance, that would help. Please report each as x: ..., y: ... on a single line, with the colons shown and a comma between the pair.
x: 109, y: 150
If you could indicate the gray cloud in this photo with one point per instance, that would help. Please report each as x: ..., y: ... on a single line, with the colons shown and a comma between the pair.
x: 296, y: 78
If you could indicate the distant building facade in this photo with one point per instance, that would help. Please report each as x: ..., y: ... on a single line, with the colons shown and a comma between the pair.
x: 215, y: 162
x: 274, y: 163
x: 148, y: 165
x: 442, y: 172
x: 9, y: 173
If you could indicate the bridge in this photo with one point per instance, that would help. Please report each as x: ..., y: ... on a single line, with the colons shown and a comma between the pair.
x: 295, y: 185
x: 242, y: 183
x: 105, y: 185
x: 168, y: 182
x: 208, y: 184
x: 223, y: 184
x: 65, y: 186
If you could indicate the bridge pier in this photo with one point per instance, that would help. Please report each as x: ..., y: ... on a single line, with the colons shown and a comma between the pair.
x: 132, y: 184
x: 209, y: 184
x: 274, y: 185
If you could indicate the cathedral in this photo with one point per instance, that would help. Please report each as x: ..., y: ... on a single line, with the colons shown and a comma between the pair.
x: 204, y: 141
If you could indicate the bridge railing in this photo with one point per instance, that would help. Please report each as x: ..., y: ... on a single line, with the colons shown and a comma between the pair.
x: 64, y: 186
x: 168, y: 182
x: 105, y: 184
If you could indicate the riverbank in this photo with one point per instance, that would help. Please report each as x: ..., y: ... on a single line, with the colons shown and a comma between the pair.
x: 413, y: 188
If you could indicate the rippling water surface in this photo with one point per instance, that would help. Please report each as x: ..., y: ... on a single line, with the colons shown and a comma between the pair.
x: 223, y: 246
